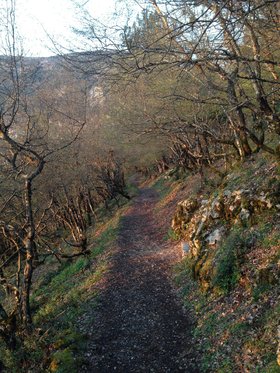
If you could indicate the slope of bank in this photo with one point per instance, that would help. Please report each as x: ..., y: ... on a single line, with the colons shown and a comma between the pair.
x: 62, y: 293
x: 229, y: 232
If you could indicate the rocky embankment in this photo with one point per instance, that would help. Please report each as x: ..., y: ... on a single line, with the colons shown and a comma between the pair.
x: 204, y: 223
x: 230, y: 243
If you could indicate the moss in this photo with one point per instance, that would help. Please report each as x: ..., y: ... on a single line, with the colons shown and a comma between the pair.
x: 226, y: 367
x: 171, y: 235
x: 203, y: 270
x: 228, y: 260
x: 239, y: 328
x: 67, y: 345
x: 63, y: 362
x: 271, y: 367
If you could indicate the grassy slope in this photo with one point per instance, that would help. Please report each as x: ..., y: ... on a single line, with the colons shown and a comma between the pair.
x: 61, y: 295
x: 237, y: 318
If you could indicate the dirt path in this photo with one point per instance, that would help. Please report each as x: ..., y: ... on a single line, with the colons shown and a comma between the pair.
x: 139, y: 325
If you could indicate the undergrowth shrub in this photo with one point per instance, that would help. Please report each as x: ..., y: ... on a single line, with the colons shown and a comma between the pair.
x: 228, y: 261
x: 172, y: 235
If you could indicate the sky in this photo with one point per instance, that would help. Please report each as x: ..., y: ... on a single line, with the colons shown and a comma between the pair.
x: 37, y: 18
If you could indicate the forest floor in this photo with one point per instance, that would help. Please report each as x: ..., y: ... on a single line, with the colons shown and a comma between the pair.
x: 139, y: 324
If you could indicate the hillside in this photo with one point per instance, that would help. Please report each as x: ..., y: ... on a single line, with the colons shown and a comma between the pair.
x: 230, y: 272
x: 140, y: 191
x: 145, y: 298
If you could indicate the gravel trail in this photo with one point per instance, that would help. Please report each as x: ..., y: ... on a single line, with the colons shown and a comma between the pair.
x: 139, y: 324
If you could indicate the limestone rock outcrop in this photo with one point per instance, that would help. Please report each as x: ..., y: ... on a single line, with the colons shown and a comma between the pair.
x: 203, y: 223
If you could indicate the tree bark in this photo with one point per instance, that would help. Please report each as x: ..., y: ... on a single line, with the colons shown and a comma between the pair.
x: 29, y: 248
x: 238, y: 120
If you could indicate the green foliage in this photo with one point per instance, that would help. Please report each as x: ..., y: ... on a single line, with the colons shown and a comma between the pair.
x: 66, y: 297
x: 132, y: 189
x: 259, y: 290
x: 162, y: 186
x: 63, y: 362
x: 209, y: 326
x: 68, y: 344
x: 171, y: 235
x: 65, y: 290
x: 265, y: 232
x: 272, y: 367
x: 9, y: 359
x: 271, y: 240
x: 228, y: 261
x: 240, y: 328
x: 58, y: 300
x: 189, y: 288
x: 29, y: 355
x: 226, y: 367
x: 102, y: 241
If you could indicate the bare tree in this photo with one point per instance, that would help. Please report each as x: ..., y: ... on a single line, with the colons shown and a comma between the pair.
x: 223, y: 64
x: 25, y: 149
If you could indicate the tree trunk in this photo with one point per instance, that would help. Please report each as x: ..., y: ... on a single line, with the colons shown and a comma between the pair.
x: 243, y: 146
x: 29, y: 245
x: 237, y: 119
